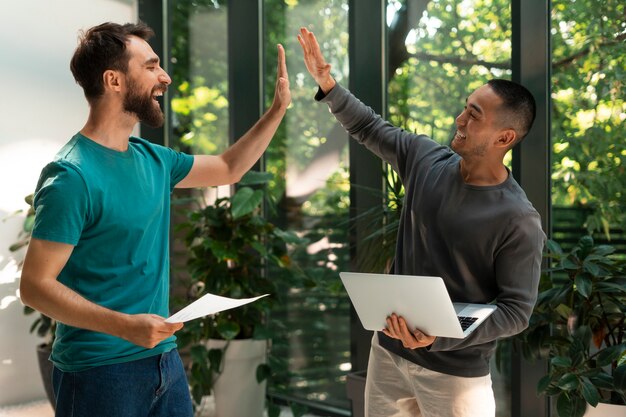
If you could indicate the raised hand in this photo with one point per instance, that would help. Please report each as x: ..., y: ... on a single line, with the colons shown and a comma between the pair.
x: 282, y: 94
x: 314, y: 60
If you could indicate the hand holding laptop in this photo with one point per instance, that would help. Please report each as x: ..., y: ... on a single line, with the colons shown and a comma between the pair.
x: 423, y: 303
x: 411, y: 339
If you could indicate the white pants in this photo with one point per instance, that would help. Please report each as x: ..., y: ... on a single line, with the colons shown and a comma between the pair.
x: 396, y: 387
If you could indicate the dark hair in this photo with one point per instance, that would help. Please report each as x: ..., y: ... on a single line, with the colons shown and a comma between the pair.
x: 103, y: 48
x: 518, y: 105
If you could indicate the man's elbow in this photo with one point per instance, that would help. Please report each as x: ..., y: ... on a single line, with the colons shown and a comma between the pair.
x: 28, y: 292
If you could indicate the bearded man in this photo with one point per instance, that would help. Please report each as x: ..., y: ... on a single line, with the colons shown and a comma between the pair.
x: 98, y: 260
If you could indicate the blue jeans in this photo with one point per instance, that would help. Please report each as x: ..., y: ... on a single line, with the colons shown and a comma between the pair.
x: 151, y: 387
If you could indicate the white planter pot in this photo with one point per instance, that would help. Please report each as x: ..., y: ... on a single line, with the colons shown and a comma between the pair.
x: 236, y: 390
x: 606, y: 410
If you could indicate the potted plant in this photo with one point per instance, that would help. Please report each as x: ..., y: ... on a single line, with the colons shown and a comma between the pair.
x: 234, y: 251
x: 579, y: 325
x: 43, y: 325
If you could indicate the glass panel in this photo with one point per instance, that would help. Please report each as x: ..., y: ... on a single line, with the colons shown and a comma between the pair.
x: 438, y: 53
x: 309, y: 158
x: 199, y: 99
x: 199, y: 115
x: 199, y: 62
x: 588, y: 114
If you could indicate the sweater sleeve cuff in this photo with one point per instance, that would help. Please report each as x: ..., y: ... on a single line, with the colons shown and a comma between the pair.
x: 320, y: 96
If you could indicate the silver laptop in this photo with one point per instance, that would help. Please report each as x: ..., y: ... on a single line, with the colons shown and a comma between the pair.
x: 422, y: 301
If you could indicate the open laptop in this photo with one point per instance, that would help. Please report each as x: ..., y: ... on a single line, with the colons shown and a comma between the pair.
x: 422, y: 301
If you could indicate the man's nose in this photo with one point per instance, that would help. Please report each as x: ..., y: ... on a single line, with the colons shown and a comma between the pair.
x: 164, y: 78
x: 460, y: 119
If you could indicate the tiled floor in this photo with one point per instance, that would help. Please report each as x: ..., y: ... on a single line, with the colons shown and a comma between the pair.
x: 34, y: 409
x: 43, y: 409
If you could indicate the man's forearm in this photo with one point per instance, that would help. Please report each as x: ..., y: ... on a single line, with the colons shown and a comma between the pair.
x: 244, y: 153
x: 61, y: 303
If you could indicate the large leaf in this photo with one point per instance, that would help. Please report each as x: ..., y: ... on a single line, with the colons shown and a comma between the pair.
x: 570, y: 263
x: 590, y: 393
x: 608, y: 355
x: 619, y: 377
x: 554, y: 247
x: 561, y: 361
x: 583, y: 285
x: 228, y: 329
x: 199, y: 354
x: 256, y: 178
x: 543, y: 384
x: 573, y: 406
x: 568, y: 382
x: 298, y: 410
x: 289, y: 237
x: 29, y: 222
x: 602, y: 381
x: 245, y: 201
x: 263, y: 372
x: 273, y: 410
x: 215, y: 359
x: 593, y: 268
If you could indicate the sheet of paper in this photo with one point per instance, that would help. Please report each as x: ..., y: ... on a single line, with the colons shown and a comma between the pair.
x: 209, y: 304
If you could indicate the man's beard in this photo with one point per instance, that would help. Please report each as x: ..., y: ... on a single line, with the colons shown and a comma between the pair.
x: 143, y: 106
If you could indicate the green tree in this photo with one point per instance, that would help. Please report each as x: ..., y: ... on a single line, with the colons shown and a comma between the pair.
x: 588, y: 89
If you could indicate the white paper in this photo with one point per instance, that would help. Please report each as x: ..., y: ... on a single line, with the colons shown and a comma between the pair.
x: 209, y: 304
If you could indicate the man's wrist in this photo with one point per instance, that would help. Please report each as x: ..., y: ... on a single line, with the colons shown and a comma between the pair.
x: 327, y: 85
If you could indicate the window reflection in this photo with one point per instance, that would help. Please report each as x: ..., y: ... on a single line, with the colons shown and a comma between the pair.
x: 309, y: 160
x: 200, y: 76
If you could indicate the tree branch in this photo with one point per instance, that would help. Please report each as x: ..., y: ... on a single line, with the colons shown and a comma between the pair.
x: 460, y: 61
x: 584, y: 52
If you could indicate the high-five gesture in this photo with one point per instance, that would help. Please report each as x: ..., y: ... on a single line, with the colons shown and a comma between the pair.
x: 314, y: 60
x: 282, y: 94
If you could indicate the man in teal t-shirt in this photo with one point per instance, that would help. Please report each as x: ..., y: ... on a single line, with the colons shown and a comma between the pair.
x: 98, y: 260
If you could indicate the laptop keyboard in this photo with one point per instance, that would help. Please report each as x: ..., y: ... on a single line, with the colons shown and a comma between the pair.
x: 466, y: 321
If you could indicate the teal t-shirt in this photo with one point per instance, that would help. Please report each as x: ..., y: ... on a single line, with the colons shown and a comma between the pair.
x: 114, y: 207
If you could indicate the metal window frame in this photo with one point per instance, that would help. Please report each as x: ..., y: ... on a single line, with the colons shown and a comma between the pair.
x: 531, y: 62
x: 367, y: 43
x: 155, y: 14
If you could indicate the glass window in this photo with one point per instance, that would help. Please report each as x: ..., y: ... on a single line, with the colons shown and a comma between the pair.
x: 438, y: 53
x: 588, y: 114
x: 199, y: 62
x: 309, y: 160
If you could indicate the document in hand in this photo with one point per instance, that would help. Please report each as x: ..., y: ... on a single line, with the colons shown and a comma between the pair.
x: 208, y: 304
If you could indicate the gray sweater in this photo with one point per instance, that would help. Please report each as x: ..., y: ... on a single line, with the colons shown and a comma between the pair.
x: 486, y: 242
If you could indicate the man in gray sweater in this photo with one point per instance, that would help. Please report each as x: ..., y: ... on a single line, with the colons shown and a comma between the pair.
x: 465, y: 219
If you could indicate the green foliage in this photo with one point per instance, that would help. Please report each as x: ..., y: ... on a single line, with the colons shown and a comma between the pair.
x: 43, y: 325
x: 27, y: 227
x: 437, y: 61
x: 579, y: 325
x: 453, y: 47
x: 379, y: 245
x: 231, y: 245
x: 199, y: 75
x: 307, y: 130
x: 588, y: 90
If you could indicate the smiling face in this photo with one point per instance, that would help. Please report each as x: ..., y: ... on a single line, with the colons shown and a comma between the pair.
x: 145, y: 82
x: 477, y: 126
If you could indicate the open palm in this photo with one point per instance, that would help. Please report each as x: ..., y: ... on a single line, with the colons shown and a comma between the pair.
x: 314, y: 60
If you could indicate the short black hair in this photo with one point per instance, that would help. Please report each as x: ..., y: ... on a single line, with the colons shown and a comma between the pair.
x: 518, y: 104
x: 103, y: 48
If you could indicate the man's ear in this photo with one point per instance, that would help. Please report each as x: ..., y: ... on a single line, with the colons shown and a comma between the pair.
x: 112, y: 80
x: 506, y: 138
